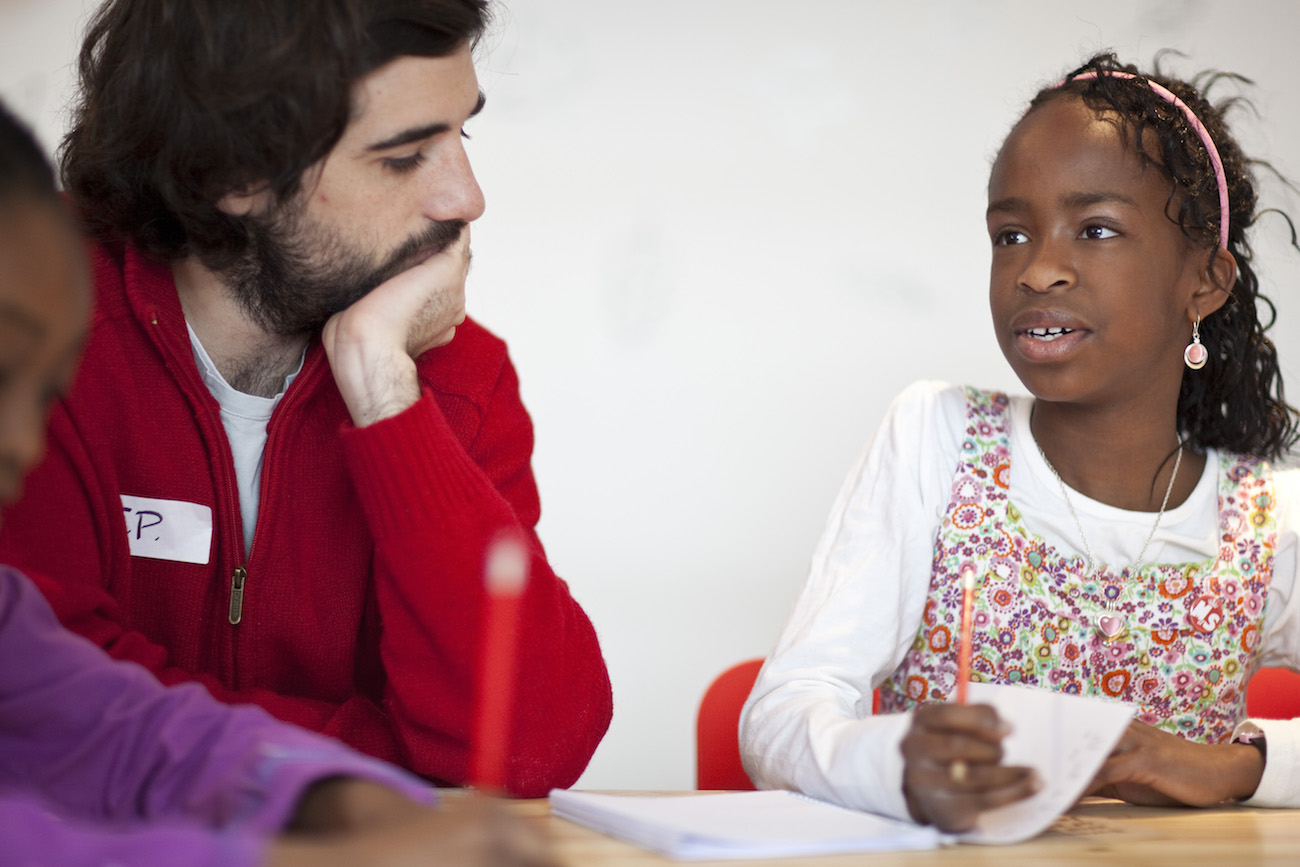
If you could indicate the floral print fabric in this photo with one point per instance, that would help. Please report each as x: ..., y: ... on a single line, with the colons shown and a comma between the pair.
x: 1192, y: 628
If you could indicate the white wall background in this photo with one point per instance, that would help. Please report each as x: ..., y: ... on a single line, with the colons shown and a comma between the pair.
x: 721, y: 234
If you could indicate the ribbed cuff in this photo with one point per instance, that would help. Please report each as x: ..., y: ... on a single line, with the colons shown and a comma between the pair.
x: 410, y: 469
x: 285, y: 771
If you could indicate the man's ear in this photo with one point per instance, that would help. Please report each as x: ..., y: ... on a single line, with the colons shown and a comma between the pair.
x: 252, y: 200
x: 1217, y: 279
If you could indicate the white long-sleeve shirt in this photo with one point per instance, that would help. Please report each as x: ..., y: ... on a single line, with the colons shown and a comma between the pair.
x: 808, y: 723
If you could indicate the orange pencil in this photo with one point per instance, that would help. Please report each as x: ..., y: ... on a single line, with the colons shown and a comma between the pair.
x: 963, y: 652
x: 505, y: 576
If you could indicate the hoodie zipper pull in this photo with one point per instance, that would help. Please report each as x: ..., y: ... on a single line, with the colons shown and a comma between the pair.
x: 237, y: 595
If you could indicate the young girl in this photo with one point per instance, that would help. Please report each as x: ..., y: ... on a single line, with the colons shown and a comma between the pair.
x: 1127, y: 536
x: 99, y: 763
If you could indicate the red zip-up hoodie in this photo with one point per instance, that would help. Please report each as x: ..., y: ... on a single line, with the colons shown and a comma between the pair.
x: 357, y: 610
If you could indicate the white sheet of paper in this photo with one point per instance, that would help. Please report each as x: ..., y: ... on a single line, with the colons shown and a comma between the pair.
x: 1064, y: 737
x: 738, y: 824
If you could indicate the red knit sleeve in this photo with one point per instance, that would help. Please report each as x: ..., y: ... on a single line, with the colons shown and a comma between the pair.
x: 434, y: 507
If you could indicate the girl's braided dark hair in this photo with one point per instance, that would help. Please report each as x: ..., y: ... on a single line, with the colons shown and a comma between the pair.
x: 1235, y: 402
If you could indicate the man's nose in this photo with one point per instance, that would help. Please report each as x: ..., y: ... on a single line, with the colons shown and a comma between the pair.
x: 454, y: 193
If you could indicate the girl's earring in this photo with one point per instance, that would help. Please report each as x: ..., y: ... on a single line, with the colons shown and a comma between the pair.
x: 1195, y: 355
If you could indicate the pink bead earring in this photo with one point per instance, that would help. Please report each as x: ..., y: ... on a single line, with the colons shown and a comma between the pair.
x: 1195, y: 355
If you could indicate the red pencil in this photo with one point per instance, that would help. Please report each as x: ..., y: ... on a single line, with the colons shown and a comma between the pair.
x: 963, y: 652
x: 505, y: 575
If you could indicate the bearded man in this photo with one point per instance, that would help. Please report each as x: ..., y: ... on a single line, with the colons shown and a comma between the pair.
x: 288, y: 450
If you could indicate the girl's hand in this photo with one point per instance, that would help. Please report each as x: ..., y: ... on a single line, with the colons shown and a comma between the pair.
x: 1154, y: 768
x: 939, y: 788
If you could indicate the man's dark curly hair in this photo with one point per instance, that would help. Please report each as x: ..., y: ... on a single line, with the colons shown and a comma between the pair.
x: 1235, y: 402
x: 184, y: 101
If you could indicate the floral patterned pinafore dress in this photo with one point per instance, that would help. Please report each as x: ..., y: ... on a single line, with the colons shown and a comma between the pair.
x: 1191, y: 629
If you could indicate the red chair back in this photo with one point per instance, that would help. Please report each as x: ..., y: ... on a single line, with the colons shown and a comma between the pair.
x: 717, y: 728
x: 1273, y: 693
x: 717, y: 742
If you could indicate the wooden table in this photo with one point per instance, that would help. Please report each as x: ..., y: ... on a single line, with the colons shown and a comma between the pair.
x: 1096, y: 832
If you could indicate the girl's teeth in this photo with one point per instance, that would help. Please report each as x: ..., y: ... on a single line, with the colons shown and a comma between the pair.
x: 1049, y: 333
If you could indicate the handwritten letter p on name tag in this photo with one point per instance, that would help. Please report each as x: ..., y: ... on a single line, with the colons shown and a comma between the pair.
x: 168, y: 529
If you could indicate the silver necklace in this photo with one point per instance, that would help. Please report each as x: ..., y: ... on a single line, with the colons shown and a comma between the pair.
x: 1113, y: 626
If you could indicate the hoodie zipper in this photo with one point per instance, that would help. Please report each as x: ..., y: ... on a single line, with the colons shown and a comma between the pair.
x: 239, y: 577
x: 178, y: 357
x: 237, y: 595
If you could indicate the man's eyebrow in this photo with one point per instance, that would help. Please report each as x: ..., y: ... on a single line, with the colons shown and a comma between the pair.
x: 420, y: 133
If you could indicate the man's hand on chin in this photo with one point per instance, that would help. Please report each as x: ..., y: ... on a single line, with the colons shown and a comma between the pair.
x: 372, y: 345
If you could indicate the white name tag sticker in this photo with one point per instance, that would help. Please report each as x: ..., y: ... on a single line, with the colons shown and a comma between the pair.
x: 168, y: 529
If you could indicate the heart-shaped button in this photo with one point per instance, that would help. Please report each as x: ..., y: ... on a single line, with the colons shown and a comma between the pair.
x: 1112, y: 626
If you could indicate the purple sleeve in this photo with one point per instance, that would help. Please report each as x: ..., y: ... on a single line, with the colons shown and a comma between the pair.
x: 106, y: 754
x: 36, y: 834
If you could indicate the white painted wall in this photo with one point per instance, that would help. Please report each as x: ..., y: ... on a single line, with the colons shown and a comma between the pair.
x: 721, y: 234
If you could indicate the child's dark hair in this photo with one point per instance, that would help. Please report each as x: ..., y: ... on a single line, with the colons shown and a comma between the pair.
x: 1235, y: 402
x: 24, y: 170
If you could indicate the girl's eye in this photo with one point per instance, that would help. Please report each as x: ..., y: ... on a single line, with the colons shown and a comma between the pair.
x: 1008, y: 237
x: 402, y: 165
x: 1099, y: 233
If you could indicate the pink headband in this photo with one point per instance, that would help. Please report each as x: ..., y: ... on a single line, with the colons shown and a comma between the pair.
x: 1201, y: 131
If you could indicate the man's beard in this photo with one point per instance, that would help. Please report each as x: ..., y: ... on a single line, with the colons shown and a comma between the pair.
x: 295, y: 276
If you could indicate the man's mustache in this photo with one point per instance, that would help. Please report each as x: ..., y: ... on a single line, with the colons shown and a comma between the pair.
x: 432, y: 241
